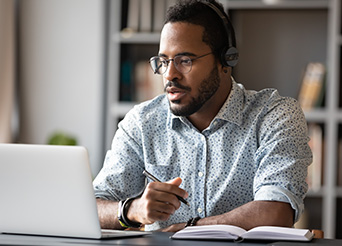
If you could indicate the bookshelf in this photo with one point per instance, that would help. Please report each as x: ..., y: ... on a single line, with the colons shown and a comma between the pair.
x: 275, y: 41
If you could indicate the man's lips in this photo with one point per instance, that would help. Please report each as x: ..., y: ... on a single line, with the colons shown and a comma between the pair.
x: 174, y: 93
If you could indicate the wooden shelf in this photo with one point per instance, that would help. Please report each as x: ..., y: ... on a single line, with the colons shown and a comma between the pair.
x: 136, y: 38
x: 316, y: 115
x: 276, y: 4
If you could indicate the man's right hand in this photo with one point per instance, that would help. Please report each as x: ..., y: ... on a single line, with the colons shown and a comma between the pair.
x: 157, y: 203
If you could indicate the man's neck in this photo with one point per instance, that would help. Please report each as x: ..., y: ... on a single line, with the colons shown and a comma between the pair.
x: 203, y: 117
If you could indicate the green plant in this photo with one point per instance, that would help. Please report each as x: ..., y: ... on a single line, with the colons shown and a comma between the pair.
x: 60, y: 138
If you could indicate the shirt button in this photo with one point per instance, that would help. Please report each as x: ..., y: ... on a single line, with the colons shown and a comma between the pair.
x: 200, y: 210
x: 200, y: 174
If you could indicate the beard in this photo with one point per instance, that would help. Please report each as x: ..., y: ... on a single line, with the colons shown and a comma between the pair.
x: 206, y: 90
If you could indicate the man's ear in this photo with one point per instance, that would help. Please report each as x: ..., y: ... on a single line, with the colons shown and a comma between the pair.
x: 225, y: 69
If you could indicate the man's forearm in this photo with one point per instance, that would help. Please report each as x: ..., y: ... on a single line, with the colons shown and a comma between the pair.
x: 108, y: 216
x: 247, y: 216
x: 255, y: 213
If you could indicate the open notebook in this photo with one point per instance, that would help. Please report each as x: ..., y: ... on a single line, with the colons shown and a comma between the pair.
x: 47, y: 190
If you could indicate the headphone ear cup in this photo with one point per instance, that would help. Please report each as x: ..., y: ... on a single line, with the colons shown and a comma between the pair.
x: 230, y: 57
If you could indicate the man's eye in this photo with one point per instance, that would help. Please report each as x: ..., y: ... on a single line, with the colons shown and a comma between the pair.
x: 185, y: 61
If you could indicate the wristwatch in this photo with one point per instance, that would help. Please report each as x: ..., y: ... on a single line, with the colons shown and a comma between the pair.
x: 192, y: 221
x: 122, y: 214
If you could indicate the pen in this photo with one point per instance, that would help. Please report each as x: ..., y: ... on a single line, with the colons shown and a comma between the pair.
x: 147, y: 174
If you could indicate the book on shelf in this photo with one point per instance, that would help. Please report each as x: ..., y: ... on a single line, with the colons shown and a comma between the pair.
x: 126, y: 87
x: 235, y: 233
x: 315, y: 170
x: 147, y: 85
x: 312, y: 88
x: 159, y: 9
x: 133, y: 15
x: 339, y: 168
x: 144, y: 15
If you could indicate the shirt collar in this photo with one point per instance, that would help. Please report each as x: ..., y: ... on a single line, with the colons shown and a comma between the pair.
x: 232, y: 109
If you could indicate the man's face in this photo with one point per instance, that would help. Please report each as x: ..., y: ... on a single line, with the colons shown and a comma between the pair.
x: 188, y: 93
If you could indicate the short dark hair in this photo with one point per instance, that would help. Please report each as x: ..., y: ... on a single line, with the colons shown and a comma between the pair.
x: 198, y: 13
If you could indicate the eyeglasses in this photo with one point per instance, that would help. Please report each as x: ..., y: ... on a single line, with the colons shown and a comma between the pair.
x: 182, y: 63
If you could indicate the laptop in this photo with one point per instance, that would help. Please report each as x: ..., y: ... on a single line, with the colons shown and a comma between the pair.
x: 47, y: 190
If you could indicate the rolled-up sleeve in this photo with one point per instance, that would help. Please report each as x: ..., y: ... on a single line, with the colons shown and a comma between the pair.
x: 121, y: 175
x: 283, y: 156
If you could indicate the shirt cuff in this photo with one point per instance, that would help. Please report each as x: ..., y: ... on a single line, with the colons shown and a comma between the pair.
x: 273, y: 193
x: 105, y: 195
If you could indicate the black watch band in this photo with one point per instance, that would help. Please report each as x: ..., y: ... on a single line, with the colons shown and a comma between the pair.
x: 122, y: 214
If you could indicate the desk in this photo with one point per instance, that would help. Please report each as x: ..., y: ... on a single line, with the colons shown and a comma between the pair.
x: 155, y: 239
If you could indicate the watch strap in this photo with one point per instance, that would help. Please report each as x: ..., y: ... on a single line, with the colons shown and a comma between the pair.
x: 122, y: 214
x: 192, y: 221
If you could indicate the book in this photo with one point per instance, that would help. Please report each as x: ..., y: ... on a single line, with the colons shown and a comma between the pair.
x: 339, y: 171
x: 315, y: 170
x: 126, y: 87
x: 159, y: 9
x: 147, y: 85
x: 133, y: 16
x: 145, y: 23
x: 312, y: 88
x: 235, y: 233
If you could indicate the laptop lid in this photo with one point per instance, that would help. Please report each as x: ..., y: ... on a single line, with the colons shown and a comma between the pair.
x: 47, y: 190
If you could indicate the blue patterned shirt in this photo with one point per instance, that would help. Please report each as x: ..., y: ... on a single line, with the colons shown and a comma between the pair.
x: 256, y: 148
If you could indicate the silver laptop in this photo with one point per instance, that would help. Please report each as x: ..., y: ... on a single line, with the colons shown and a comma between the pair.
x: 47, y: 190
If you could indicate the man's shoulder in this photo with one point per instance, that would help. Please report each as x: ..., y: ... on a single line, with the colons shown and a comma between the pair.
x: 267, y: 97
x: 267, y: 103
x: 154, y: 109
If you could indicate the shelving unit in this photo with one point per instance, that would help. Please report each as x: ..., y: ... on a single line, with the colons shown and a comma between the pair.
x: 324, y: 201
x: 326, y: 47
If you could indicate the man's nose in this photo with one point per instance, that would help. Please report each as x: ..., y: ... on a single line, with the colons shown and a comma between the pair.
x: 172, y: 72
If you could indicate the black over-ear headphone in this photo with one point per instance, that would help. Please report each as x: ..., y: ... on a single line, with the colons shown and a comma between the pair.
x: 229, y: 55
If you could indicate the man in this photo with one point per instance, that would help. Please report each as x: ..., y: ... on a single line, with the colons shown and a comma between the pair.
x: 238, y: 157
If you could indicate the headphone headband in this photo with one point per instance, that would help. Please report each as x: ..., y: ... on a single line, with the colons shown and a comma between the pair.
x: 229, y: 55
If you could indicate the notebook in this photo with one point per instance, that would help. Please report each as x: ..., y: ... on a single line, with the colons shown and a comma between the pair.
x: 47, y: 190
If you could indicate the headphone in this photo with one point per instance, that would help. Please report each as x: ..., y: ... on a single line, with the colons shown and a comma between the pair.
x: 229, y: 55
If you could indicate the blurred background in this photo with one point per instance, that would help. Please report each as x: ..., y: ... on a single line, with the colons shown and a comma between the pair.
x: 71, y: 69
x: 52, y: 72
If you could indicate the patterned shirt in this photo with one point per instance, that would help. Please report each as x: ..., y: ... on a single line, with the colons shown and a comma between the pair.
x: 256, y: 148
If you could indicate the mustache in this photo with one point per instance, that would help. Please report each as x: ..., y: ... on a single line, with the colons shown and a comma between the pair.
x: 174, y: 83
